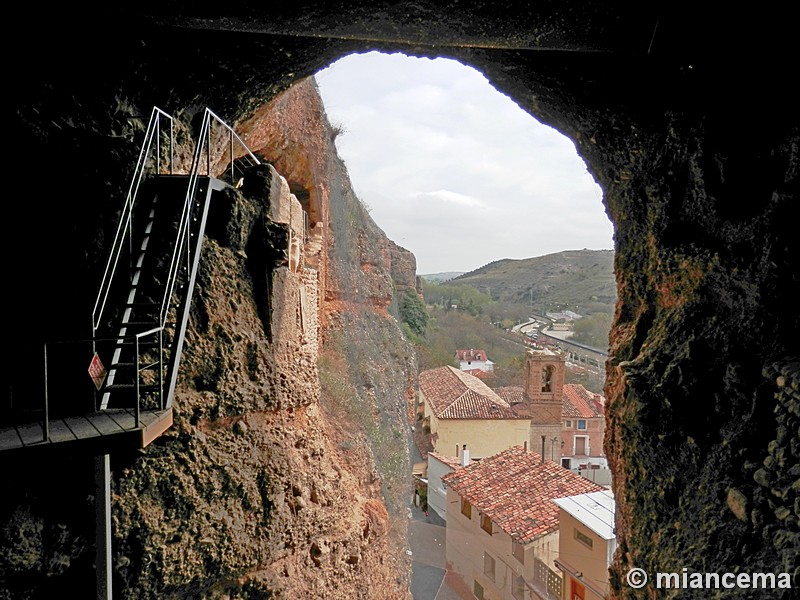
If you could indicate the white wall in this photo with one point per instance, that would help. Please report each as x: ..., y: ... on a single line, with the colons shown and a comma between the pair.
x: 437, y: 495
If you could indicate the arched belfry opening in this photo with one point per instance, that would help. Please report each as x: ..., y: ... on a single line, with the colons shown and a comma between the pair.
x: 547, y: 379
x: 687, y: 123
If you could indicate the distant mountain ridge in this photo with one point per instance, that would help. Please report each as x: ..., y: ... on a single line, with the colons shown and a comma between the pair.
x: 440, y: 277
x: 573, y: 278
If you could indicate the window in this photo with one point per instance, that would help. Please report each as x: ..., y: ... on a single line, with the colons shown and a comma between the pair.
x: 567, y: 423
x: 518, y: 587
x: 466, y: 508
x: 584, y: 539
x: 488, y: 565
x: 518, y: 550
x: 477, y: 590
x: 582, y: 424
x: 486, y: 524
x: 566, y: 463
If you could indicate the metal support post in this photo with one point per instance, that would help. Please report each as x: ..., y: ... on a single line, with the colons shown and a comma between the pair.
x: 102, y: 485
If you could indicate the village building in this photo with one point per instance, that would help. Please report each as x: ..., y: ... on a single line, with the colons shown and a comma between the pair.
x: 586, y: 544
x: 583, y: 429
x: 566, y: 315
x: 440, y: 465
x: 457, y: 408
x: 473, y: 360
x: 502, y: 525
x: 564, y: 422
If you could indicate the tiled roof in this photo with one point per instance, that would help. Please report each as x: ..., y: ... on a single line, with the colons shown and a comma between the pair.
x: 480, y: 373
x: 470, y: 355
x: 580, y: 403
x: 454, y: 394
x: 512, y: 394
x: 577, y: 402
x: 515, y: 489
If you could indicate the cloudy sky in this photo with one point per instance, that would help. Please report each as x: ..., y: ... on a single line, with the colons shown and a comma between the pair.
x: 455, y: 171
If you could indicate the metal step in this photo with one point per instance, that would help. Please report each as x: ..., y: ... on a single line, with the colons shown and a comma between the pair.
x: 131, y: 386
x: 141, y: 344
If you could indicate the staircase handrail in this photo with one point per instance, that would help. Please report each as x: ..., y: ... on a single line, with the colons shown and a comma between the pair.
x: 182, y: 245
x: 138, y: 369
x: 125, y: 224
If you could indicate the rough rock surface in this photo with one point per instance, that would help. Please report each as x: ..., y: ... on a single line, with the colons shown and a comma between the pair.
x: 259, y: 490
x: 256, y: 489
x: 686, y: 118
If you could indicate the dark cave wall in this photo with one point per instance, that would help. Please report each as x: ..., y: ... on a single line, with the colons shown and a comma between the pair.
x: 696, y: 148
x: 703, y: 429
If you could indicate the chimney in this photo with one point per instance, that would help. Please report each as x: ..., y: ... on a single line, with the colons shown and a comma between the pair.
x: 464, y: 456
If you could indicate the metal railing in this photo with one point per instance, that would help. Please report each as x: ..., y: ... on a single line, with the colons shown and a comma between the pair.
x: 139, y: 369
x: 216, y: 138
x: 125, y: 226
x: 183, y: 244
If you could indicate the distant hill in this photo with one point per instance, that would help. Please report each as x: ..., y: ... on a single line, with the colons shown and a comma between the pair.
x: 440, y: 277
x: 582, y: 280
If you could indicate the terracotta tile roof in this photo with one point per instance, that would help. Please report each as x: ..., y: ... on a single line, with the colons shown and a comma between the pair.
x: 512, y: 394
x: 470, y: 355
x: 480, y: 373
x: 580, y: 403
x: 454, y: 394
x: 515, y: 489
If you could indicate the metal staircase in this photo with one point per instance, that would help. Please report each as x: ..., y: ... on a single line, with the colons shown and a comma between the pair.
x: 140, y: 316
x: 146, y: 307
x: 141, y: 313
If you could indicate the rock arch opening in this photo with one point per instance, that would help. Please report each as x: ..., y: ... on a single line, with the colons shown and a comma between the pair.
x: 452, y: 168
x: 702, y: 379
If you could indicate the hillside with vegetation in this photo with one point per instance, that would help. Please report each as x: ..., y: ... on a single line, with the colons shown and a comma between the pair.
x: 477, y: 309
x: 577, y: 280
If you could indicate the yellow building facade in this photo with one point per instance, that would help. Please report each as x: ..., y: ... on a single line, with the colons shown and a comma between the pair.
x: 587, y: 542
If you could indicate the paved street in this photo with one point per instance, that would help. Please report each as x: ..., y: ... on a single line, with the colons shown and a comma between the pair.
x: 427, y: 536
x: 427, y: 539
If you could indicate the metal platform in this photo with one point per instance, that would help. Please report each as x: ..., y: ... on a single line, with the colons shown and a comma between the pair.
x: 100, y: 432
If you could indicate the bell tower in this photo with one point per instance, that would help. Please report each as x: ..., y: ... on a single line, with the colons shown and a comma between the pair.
x: 544, y: 387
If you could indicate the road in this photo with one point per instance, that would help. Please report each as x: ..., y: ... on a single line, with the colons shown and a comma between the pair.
x: 428, y: 538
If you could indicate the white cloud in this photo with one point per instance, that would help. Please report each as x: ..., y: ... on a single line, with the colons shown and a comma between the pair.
x: 454, y: 170
x: 451, y: 197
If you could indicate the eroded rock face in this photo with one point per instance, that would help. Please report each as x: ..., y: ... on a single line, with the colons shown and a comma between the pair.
x: 259, y: 489
x: 688, y: 124
x: 251, y: 493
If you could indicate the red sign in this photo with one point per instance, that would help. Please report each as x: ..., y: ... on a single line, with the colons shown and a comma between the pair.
x: 97, y: 371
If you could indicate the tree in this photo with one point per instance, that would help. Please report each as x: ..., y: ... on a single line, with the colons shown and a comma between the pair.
x: 413, y: 312
x: 592, y: 330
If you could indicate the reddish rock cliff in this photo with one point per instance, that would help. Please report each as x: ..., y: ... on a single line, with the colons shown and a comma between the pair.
x: 286, y: 473
x: 260, y: 487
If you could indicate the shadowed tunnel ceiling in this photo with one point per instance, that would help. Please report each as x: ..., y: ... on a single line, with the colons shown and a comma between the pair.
x: 687, y: 122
